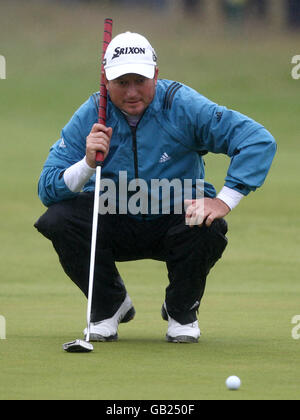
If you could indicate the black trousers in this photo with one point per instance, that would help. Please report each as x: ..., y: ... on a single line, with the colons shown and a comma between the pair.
x: 189, y: 253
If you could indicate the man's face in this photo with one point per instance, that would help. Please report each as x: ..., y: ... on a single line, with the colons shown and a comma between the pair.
x: 132, y: 93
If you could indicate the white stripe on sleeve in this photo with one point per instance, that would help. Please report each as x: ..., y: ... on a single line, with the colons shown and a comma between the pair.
x: 230, y: 197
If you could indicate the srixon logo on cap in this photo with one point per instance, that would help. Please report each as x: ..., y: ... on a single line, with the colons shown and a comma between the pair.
x: 127, y: 51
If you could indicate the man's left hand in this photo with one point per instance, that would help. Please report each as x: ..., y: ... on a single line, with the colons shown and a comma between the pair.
x: 204, y: 210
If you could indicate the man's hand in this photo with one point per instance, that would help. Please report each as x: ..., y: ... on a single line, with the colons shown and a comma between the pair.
x: 205, y: 210
x: 97, y: 141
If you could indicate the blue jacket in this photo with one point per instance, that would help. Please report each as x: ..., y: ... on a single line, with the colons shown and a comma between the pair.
x: 180, y: 125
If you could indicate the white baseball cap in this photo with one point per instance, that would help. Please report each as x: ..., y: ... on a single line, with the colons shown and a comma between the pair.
x: 129, y: 53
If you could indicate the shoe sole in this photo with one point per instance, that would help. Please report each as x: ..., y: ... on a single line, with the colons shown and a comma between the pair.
x: 96, y: 338
x: 182, y: 339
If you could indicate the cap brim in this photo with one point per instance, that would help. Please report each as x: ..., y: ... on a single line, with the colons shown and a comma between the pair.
x: 145, y: 70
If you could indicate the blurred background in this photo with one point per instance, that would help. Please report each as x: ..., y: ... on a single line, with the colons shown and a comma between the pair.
x: 239, y: 54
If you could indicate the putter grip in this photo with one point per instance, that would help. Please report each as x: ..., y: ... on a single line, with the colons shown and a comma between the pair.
x: 107, y: 37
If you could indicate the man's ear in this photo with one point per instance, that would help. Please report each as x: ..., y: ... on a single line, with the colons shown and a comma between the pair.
x: 156, y: 75
x: 105, y: 81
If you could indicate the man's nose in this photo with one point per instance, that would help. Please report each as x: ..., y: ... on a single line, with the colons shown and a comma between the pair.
x: 131, y: 90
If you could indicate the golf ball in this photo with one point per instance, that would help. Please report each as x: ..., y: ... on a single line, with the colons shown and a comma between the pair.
x: 233, y: 383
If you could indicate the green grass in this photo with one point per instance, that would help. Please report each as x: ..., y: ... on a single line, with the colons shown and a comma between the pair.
x: 252, y: 294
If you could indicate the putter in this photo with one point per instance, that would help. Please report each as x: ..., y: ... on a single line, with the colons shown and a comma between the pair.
x: 81, y: 346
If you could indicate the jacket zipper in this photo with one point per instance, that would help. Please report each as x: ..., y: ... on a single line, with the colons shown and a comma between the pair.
x: 135, y: 155
x: 134, y: 144
x: 134, y: 149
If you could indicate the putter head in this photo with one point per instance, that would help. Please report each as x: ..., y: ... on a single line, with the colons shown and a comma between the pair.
x: 78, y: 346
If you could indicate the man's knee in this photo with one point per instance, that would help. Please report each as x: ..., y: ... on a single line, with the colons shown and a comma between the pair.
x: 201, y: 245
x: 54, y: 220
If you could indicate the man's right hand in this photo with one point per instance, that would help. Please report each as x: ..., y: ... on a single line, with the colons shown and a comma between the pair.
x: 97, y: 141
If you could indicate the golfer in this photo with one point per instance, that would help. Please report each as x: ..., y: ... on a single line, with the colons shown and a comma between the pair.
x: 157, y: 130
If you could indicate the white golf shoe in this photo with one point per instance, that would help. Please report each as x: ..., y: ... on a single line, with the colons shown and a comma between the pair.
x: 178, y: 333
x: 107, y: 330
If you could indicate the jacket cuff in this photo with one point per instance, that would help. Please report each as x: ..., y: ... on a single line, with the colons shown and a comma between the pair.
x: 230, y: 197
